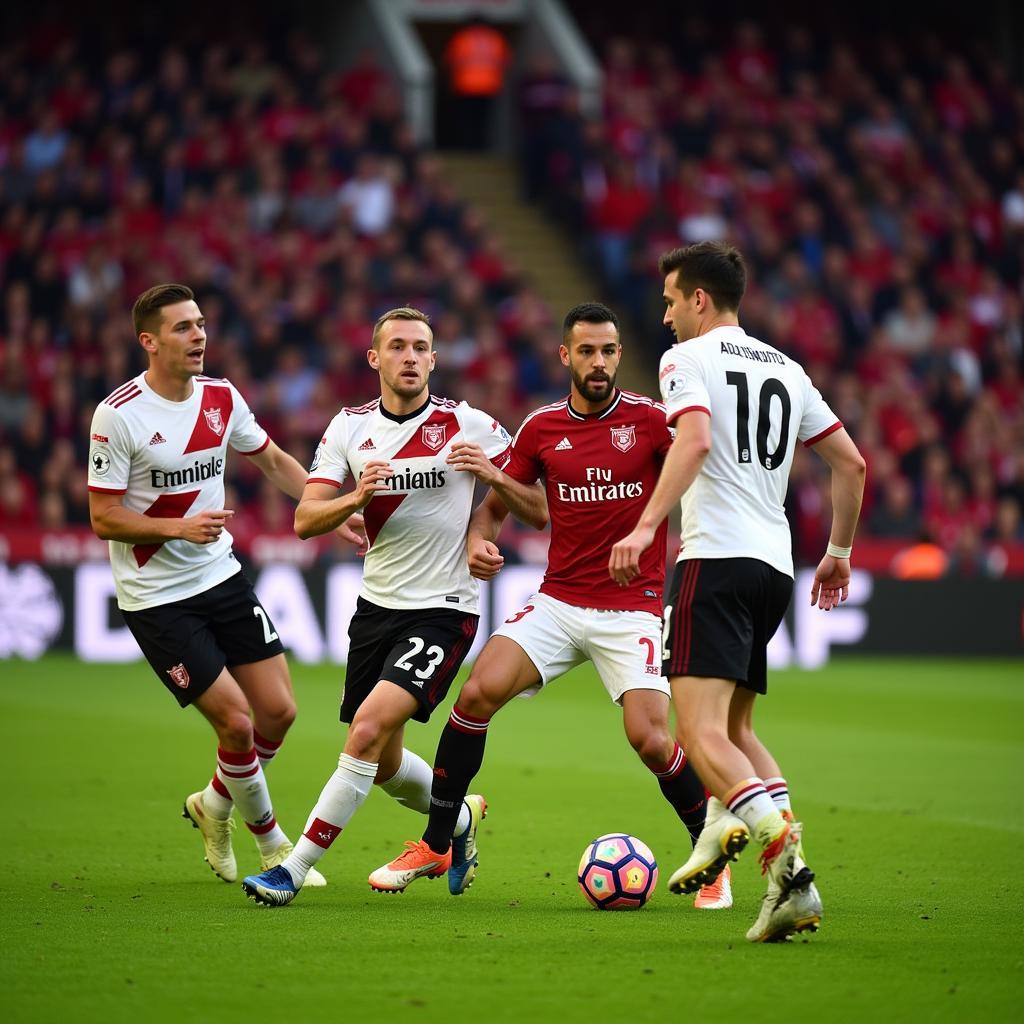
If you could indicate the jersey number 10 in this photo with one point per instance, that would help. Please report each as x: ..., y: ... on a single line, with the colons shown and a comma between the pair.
x: 771, y: 388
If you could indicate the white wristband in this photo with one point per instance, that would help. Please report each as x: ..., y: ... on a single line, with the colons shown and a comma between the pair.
x: 837, y: 552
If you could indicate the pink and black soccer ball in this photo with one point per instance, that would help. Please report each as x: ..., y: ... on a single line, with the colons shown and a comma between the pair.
x: 618, y: 872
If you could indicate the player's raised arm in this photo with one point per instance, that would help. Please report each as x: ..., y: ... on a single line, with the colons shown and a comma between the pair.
x: 321, y: 509
x: 112, y: 521
x: 527, y: 502
x: 682, y: 464
x: 832, y: 577
x: 485, y: 560
x: 287, y: 474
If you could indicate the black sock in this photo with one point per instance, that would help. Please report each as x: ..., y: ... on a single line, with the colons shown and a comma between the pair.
x: 460, y: 752
x: 685, y: 792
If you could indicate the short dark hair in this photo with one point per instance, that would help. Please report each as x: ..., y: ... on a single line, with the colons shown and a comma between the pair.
x: 402, y: 313
x: 146, y: 311
x: 588, y: 313
x: 717, y: 267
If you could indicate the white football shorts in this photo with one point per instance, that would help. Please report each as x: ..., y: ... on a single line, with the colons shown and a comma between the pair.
x: 625, y: 647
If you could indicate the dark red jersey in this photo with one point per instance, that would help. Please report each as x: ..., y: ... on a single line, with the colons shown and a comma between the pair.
x: 599, y: 472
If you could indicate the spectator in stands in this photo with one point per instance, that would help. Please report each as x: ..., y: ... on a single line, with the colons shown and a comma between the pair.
x: 369, y: 196
x: 476, y: 59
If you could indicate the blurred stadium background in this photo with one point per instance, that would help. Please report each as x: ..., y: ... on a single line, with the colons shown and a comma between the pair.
x: 304, y: 170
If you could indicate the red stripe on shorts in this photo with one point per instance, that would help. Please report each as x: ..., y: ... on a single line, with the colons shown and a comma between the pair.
x: 684, y: 617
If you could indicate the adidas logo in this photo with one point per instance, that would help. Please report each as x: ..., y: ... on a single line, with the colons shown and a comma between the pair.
x: 367, y: 446
x: 158, y: 438
x: 564, y: 445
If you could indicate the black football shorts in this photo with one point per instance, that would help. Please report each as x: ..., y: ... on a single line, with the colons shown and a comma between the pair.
x: 420, y: 650
x: 188, y: 643
x: 720, y: 614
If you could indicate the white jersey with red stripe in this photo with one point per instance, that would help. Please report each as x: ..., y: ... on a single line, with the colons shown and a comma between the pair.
x: 167, y: 459
x: 761, y: 403
x: 417, y: 531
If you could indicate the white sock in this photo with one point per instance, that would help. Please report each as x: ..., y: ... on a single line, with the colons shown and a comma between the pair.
x: 410, y: 786
x: 779, y: 792
x: 343, y: 795
x: 243, y: 776
x: 750, y: 801
x: 215, y: 804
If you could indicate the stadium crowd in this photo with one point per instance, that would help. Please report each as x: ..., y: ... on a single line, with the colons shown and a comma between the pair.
x: 877, y: 193
x: 876, y: 188
x: 291, y: 198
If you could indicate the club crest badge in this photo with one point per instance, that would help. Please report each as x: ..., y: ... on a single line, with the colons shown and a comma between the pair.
x: 179, y: 675
x: 623, y: 438
x: 214, y: 420
x: 435, y: 435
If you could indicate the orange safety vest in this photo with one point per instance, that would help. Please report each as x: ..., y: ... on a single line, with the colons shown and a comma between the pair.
x: 476, y: 57
x: 920, y: 561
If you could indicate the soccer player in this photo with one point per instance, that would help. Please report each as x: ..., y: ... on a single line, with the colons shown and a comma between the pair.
x: 415, y: 459
x: 599, y: 452
x: 156, y: 493
x: 739, y: 407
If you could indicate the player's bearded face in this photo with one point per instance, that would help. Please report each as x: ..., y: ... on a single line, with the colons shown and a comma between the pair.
x: 594, y: 383
x: 593, y: 360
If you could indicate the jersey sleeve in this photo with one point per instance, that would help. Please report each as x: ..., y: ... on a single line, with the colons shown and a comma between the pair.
x: 330, y: 460
x: 661, y: 433
x: 524, y: 464
x: 683, y: 383
x: 110, y: 452
x: 818, y: 420
x: 247, y: 436
x: 493, y: 438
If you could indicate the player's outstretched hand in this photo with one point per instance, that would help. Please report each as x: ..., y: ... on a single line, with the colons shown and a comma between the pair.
x: 624, y: 562
x: 831, y: 583
x: 372, y: 481
x: 485, y: 560
x: 470, y: 458
x: 205, y: 527
x: 353, y: 531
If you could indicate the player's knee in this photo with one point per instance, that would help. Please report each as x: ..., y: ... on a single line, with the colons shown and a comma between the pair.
x: 366, y: 737
x: 234, y: 729
x: 474, y: 700
x: 653, y: 746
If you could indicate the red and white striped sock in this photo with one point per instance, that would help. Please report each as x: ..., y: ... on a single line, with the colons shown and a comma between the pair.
x: 216, y: 798
x: 779, y: 792
x: 243, y: 776
x: 266, y: 750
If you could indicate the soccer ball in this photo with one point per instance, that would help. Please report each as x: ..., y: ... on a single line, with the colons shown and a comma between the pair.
x: 618, y: 872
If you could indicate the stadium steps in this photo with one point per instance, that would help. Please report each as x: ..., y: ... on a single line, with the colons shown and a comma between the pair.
x: 536, y: 244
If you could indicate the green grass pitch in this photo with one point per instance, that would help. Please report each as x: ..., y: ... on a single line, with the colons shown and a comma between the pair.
x: 906, y: 774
